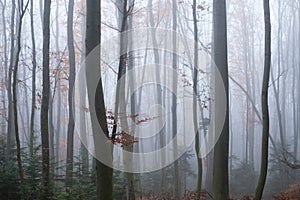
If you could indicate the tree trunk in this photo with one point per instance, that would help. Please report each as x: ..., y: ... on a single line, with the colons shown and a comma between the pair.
x: 93, y: 36
x: 252, y: 125
x: 70, y: 137
x: 176, y: 186
x: 10, y: 121
x: 45, y: 101
x: 265, y: 109
x: 83, y: 150
x: 158, y: 89
x: 195, y: 113
x: 296, y: 136
x: 221, y: 150
x: 33, y: 91
x: 58, y: 109
x: 131, y: 80
x: 51, y: 132
x: 3, y: 5
x: 14, y: 87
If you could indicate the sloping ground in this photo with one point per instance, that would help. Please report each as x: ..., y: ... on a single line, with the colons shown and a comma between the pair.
x: 292, y: 193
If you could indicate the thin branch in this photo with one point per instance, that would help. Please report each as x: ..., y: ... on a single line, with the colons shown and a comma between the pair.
x: 110, y: 26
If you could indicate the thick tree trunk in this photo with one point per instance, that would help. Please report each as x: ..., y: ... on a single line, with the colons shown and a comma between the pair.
x: 93, y: 35
x: 221, y: 150
x: 265, y: 109
x: 45, y: 102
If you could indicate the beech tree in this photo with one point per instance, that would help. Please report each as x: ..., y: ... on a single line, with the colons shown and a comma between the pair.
x: 45, y: 101
x: 264, y: 103
x: 70, y: 139
x: 93, y: 35
x: 22, y: 10
x: 176, y: 186
x: 195, y: 83
x: 146, y: 113
x: 221, y: 149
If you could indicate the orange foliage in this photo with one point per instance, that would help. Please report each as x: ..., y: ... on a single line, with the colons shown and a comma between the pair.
x: 292, y: 193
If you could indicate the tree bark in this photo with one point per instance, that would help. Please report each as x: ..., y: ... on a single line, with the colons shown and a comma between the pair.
x: 33, y: 91
x: 70, y: 137
x: 45, y: 101
x: 158, y: 89
x: 176, y: 186
x: 3, y: 5
x: 195, y: 95
x: 264, y: 100
x: 131, y: 80
x: 22, y: 11
x: 83, y: 150
x: 58, y: 108
x: 10, y: 121
x: 51, y: 132
x: 93, y: 36
x: 221, y: 150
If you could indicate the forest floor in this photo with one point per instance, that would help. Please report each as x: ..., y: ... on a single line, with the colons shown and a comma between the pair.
x: 292, y: 193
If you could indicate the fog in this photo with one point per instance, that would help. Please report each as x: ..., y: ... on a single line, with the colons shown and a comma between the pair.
x: 157, y: 100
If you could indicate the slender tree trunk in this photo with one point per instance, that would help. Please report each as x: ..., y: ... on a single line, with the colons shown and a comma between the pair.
x: 231, y: 138
x: 195, y: 95
x: 33, y: 91
x: 265, y: 109
x: 41, y: 11
x: 296, y: 137
x: 122, y: 21
x: 252, y: 125
x: 129, y: 148
x: 176, y: 186
x: 221, y: 150
x: 246, y: 62
x: 3, y: 5
x: 83, y: 149
x: 158, y: 89
x: 58, y: 126
x: 298, y: 102
x: 70, y: 139
x: 279, y: 113
x: 45, y: 101
x: 14, y: 86
x: 277, y: 89
x: 51, y: 132
x: 10, y: 121
x: 58, y: 108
